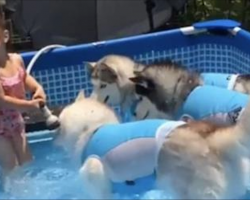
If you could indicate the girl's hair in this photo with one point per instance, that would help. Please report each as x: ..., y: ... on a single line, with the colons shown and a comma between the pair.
x: 5, y: 25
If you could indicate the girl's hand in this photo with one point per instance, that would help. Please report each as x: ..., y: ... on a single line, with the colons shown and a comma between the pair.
x: 39, y: 94
x: 35, y: 103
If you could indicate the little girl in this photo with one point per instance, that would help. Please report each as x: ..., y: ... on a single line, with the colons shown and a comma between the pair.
x: 14, y: 150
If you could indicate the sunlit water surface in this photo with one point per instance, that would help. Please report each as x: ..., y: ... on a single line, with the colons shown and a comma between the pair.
x: 53, y: 176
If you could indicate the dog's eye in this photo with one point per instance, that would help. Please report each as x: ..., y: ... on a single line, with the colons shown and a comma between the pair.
x: 103, y: 86
x: 140, y: 98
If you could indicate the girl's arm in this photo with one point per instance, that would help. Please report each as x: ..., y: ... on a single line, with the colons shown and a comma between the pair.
x: 32, y: 85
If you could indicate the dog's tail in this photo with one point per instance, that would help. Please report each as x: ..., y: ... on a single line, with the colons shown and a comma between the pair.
x: 236, y: 136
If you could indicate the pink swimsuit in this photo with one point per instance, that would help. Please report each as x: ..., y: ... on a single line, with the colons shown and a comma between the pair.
x: 11, y: 121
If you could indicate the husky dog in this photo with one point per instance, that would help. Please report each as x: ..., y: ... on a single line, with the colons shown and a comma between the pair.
x: 195, y: 160
x: 191, y: 94
x: 180, y: 93
x: 111, y: 85
x: 110, y: 79
x: 177, y: 84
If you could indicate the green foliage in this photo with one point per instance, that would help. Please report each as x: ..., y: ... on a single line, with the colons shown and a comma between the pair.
x: 200, y: 10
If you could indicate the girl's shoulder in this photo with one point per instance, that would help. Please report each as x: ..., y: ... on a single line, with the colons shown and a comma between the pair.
x: 17, y: 61
x: 16, y: 57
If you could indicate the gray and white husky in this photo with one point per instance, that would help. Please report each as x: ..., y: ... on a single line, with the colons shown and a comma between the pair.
x: 112, y: 84
x: 110, y: 79
x: 195, y: 160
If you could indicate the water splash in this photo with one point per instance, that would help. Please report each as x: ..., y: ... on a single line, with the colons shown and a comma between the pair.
x: 53, y: 176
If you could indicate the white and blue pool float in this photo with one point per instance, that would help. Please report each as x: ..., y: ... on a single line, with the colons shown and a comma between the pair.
x: 213, y: 103
x: 223, y: 80
x: 130, y: 150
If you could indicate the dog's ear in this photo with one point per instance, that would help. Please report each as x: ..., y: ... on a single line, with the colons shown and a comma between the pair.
x: 80, y: 95
x: 139, y: 81
x: 107, y: 73
x: 90, y: 66
x: 138, y: 68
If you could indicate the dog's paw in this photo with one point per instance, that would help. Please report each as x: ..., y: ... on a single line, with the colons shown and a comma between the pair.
x: 95, y: 180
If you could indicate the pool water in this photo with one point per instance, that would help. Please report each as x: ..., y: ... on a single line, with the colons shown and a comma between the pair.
x: 51, y: 176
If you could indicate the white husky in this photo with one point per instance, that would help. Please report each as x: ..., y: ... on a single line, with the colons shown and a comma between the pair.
x: 196, y: 160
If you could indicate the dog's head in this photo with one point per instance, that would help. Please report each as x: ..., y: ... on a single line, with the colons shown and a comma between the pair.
x: 165, y: 85
x: 110, y: 78
x: 79, y: 120
x: 151, y: 84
